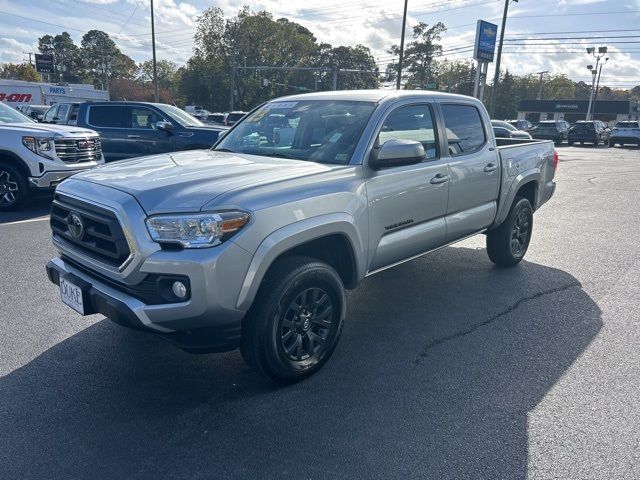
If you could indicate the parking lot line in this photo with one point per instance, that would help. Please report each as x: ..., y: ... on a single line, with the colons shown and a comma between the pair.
x: 29, y: 220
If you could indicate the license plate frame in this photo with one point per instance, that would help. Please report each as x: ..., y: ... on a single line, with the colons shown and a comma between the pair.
x: 73, y: 293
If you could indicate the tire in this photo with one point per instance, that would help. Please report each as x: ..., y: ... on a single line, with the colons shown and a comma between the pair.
x: 596, y: 142
x: 517, y: 228
x: 612, y: 143
x: 14, y: 190
x: 296, y: 320
x: 558, y: 141
x: 570, y: 143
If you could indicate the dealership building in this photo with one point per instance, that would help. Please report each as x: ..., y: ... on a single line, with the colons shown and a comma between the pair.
x: 573, y: 110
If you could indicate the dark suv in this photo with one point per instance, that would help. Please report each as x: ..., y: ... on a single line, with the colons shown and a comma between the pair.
x: 592, y: 132
x: 135, y: 129
x: 556, y: 130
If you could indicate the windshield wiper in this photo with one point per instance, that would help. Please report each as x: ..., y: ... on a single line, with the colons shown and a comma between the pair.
x: 276, y: 154
x: 224, y: 150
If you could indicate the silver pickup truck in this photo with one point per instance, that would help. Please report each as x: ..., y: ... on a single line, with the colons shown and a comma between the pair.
x: 251, y: 244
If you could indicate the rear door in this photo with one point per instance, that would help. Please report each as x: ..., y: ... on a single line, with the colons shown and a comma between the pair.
x: 474, y: 170
x: 113, y: 123
x: 407, y: 204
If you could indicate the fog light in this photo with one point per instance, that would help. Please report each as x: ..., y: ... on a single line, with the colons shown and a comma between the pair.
x: 179, y: 289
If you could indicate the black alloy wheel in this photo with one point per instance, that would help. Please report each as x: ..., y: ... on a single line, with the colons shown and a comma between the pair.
x: 13, y: 187
x: 296, y: 320
x: 520, y: 234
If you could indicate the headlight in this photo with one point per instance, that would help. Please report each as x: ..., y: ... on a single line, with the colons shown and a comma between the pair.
x: 39, y: 146
x: 201, y: 230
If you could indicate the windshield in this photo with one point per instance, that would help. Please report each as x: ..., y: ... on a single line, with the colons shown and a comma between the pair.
x: 10, y: 115
x: 583, y: 126
x: 180, y: 116
x: 323, y: 131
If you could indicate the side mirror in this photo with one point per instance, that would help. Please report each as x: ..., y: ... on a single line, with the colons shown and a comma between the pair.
x: 397, y: 152
x: 166, y: 126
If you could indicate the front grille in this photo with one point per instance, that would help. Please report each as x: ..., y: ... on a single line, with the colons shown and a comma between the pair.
x: 98, y: 234
x: 78, y: 150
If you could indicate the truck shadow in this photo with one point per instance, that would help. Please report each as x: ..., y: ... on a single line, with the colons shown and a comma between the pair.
x: 441, y: 362
x: 37, y: 208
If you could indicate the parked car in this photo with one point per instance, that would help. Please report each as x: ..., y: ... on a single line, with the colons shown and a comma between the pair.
x: 522, y: 125
x: 215, y: 119
x: 34, y: 157
x: 593, y: 132
x: 556, y: 130
x: 506, y: 130
x: 253, y: 243
x: 135, y: 129
x: 625, y: 133
x: 233, y: 117
x: 33, y: 111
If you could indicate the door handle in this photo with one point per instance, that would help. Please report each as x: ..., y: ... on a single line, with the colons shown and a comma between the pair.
x: 133, y: 136
x: 439, y: 178
x: 490, y: 167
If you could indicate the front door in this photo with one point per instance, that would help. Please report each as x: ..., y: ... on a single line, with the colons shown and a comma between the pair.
x: 143, y: 137
x: 407, y: 204
x: 474, y: 168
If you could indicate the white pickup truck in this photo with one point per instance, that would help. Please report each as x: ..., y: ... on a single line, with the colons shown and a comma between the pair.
x: 251, y: 244
x: 35, y: 157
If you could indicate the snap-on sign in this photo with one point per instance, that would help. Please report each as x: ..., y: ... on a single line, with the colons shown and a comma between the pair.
x: 15, y: 97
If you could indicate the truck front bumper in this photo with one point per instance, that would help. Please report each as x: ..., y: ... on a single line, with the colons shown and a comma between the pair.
x: 51, y: 179
x: 210, y: 327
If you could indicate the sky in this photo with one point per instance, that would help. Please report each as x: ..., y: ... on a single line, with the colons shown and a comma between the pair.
x: 541, y: 35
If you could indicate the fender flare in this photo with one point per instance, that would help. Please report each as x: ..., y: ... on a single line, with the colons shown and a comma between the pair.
x: 291, y: 236
x: 22, y: 165
x: 528, y: 176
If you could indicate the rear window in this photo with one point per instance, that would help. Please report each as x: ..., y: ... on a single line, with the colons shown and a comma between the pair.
x: 114, y: 116
x: 465, y: 130
x: 628, y: 125
x: 583, y: 126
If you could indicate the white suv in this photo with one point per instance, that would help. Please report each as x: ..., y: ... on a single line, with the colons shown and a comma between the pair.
x: 35, y: 157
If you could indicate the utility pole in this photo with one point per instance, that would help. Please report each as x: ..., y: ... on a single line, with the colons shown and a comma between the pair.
x: 232, y: 83
x: 404, y: 27
x: 541, y: 83
x: 29, y: 53
x: 334, y: 81
x: 496, y: 75
x: 153, y: 47
x: 602, y: 51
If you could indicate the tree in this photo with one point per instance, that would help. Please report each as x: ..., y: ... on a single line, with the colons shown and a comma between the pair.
x: 350, y: 58
x: 104, y: 60
x: 508, y: 98
x: 457, y: 76
x: 419, y: 67
x: 167, y: 73
x: 19, y: 71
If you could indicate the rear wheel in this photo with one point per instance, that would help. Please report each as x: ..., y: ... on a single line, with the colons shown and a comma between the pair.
x: 612, y: 143
x: 570, y: 143
x: 507, y: 244
x: 295, y: 322
x: 14, y: 190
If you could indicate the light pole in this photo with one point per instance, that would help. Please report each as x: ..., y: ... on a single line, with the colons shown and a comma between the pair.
x: 496, y: 75
x: 602, y: 51
x: 153, y: 47
x: 541, y: 83
x: 595, y: 95
x: 404, y: 26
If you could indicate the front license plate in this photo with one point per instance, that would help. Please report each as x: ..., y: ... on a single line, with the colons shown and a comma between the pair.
x: 71, y: 295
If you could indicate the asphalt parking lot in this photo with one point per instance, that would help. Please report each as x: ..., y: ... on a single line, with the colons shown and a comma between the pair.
x: 447, y: 368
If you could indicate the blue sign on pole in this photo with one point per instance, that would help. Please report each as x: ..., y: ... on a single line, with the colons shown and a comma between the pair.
x: 486, y: 34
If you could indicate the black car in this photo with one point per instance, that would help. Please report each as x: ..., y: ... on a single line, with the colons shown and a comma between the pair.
x: 556, y: 130
x: 506, y: 130
x: 135, y: 129
x: 592, y: 132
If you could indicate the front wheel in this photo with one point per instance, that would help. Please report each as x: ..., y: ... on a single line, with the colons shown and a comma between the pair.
x: 14, y: 190
x: 296, y: 320
x: 612, y: 143
x: 507, y: 244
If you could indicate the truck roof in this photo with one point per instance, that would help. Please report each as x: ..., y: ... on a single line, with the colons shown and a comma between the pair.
x: 371, y: 95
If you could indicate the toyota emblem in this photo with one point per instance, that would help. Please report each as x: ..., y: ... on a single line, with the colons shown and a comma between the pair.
x: 75, y: 226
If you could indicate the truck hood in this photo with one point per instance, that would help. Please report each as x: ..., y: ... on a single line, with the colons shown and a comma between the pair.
x: 186, y: 181
x: 45, y: 129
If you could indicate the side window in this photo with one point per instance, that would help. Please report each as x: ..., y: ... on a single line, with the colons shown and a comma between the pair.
x: 465, y: 131
x: 48, y: 117
x: 413, y: 122
x: 142, y: 117
x: 62, y: 112
x: 73, y: 116
x: 114, y: 116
